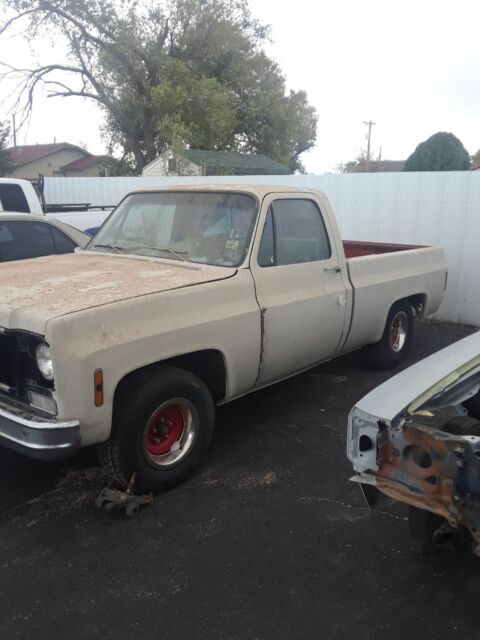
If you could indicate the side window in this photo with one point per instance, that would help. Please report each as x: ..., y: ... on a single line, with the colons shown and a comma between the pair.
x: 299, y: 233
x: 20, y: 240
x: 266, y: 251
x: 63, y: 244
x: 13, y: 198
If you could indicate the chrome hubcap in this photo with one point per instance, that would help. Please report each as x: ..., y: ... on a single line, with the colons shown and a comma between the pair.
x: 398, y: 331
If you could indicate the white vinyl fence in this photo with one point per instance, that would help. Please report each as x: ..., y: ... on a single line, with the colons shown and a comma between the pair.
x: 441, y: 208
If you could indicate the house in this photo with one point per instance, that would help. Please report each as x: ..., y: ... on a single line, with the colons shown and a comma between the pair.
x: 56, y: 159
x: 374, y: 166
x: 196, y: 162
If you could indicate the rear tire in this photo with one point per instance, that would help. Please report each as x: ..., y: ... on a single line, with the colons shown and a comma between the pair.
x: 395, y: 342
x: 163, y: 423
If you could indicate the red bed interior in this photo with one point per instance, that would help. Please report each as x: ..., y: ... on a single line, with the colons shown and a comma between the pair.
x: 354, y: 249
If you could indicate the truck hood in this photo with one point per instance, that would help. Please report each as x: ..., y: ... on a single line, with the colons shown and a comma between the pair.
x: 419, y: 386
x: 35, y: 291
x: 446, y: 378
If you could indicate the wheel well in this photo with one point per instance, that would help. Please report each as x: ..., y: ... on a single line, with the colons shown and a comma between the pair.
x: 418, y: 303
x: 208, y: 365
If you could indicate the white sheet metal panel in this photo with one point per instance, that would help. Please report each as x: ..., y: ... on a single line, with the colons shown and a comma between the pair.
x: 440, y: 208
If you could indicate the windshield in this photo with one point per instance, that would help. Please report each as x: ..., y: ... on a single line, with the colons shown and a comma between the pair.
x: 209, y: 227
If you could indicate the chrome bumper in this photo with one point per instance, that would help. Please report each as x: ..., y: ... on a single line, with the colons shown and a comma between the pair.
x: 38, y: 437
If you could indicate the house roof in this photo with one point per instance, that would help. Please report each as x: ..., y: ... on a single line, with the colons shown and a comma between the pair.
x: 236, y: 163
x: 26, y: 153
x: 379, y: 166
x: 80, y: 164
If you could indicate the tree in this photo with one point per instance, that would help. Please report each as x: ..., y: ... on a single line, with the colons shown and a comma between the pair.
x: 176, y: 73
x: 476, y: 159
x: 441, y: 152
x: 6, y: 164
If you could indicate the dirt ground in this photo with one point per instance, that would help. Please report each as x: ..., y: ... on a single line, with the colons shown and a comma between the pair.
x: 268, y: 541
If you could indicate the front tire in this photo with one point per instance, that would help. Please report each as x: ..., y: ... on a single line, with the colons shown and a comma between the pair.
x: 395, y: 342
x: 163, y: 423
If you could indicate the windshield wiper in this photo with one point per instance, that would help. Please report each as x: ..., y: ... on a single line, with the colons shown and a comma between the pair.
x: 177, y: 253
x: 107, y: 246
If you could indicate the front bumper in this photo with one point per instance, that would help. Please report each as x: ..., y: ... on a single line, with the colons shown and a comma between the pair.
x: 38, y: 437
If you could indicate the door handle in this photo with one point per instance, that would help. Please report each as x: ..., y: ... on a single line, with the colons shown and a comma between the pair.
x: 336, y: 269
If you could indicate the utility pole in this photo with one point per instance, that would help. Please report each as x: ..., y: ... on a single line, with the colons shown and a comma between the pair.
x: 14, y: 131
x: 369, y: 124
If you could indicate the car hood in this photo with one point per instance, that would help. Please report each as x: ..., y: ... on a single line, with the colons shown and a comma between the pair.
x: 421, y: 384
x: 35, y: 291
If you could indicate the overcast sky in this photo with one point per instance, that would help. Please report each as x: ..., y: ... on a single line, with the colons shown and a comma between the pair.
x: 413, y: 67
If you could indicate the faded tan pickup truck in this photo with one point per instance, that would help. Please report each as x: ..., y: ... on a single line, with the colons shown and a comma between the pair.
x: 187, y: 297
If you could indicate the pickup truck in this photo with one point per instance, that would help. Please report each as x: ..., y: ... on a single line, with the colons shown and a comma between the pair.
x: 188, y: 297
x: 20, y: 196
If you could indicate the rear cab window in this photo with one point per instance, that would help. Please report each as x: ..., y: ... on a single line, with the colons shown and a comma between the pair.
x: 13, y: 198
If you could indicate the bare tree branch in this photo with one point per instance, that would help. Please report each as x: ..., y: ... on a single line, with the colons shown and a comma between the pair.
x: 109, y: 45
x: 69, y: 92
x: 31, y: 78
x: 188, y: 70
x: 17, y: 18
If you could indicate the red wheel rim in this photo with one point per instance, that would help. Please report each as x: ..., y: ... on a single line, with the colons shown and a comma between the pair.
x: 165, y: 429
x: 398, y: 332
x: 170, y: 432
x: 394, y: 332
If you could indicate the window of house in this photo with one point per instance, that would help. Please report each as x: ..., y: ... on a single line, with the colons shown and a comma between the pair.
x: 294, y: 233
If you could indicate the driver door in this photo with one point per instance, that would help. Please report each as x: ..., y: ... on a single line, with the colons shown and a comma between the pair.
x: 299, y: 286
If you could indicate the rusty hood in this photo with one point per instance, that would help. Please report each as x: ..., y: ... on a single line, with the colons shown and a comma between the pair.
x: 35, y: 291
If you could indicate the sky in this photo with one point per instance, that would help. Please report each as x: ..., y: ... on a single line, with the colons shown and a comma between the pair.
x: 412, y: 67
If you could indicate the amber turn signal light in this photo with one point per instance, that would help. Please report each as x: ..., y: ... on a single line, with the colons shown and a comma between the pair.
x: 98, y: 378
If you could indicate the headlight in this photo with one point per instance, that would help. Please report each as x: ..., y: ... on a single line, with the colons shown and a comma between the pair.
x: 44, y: 361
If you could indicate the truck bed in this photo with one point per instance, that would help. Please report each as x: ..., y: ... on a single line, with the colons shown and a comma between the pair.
x: 356, y: 249
x: 381, y: 274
